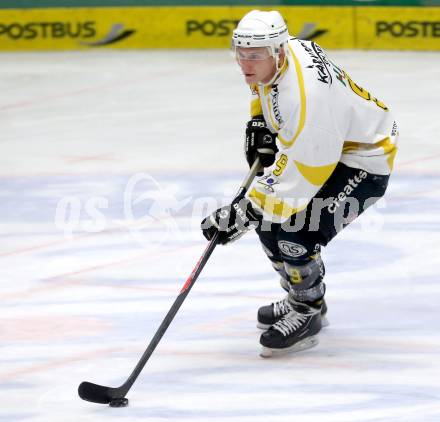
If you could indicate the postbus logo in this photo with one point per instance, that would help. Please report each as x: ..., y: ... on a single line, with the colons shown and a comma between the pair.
x: 224, y: 27
x: 83, y: 31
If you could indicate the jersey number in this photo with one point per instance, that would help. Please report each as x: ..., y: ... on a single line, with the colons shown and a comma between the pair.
x: 295, y: 276
x: 342, y: 76
x: 281, y: 165
x: 365, y: 94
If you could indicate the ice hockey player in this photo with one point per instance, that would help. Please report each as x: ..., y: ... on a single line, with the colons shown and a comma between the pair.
x: 327, y: 147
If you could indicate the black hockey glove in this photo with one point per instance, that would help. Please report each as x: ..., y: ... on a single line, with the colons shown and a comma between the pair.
x: 261, y: 142
x: 231, y: 221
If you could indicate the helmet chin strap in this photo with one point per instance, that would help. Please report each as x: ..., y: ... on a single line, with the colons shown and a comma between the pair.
x: 277, y: 66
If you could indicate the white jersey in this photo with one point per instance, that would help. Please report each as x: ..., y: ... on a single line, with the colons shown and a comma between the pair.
x: 321, y: 118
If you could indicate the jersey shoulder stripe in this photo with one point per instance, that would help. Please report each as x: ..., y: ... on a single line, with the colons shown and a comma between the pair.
x: 302, y: 93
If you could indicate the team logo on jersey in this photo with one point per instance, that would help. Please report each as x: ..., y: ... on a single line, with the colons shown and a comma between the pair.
x: 294, y: 250
x: 268, y: 181
x: 320, y: 62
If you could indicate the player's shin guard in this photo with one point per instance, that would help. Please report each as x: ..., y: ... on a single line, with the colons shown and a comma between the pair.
x: 303, y: 282
x: 305, y: 277
x: 306, y: 285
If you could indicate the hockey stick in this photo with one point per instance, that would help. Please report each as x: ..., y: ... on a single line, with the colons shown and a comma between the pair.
x: 116, y: 396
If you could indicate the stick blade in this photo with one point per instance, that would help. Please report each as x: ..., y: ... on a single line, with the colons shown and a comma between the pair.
x: 94, y: 392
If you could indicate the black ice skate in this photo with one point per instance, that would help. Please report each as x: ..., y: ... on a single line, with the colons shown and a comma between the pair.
x: 271, y: 314
x: 294, y: 332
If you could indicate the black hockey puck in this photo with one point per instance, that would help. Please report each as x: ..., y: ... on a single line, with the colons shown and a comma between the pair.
x: 119, y: 402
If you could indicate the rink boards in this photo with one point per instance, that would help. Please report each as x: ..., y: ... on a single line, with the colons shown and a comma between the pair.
x: 388, y: 28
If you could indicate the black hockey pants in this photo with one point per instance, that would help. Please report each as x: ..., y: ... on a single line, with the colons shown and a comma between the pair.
x: 293, y: 247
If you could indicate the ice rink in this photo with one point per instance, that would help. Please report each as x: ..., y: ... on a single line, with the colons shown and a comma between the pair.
x: 109, y: 160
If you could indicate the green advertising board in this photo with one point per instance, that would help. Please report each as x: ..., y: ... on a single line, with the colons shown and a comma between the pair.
x: 32, y: 4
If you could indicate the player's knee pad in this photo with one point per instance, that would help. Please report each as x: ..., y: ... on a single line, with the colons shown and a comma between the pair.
x: 304, y: 272
x: 305, y: 278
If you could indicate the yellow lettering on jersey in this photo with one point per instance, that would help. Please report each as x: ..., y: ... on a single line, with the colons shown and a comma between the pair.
x: 281, y: 165
x: 302, y: 115
x: 273, y: 205
x: 316, y: 175
x: 364, y: 93
x: 358, y: 90
x: 380, y: 104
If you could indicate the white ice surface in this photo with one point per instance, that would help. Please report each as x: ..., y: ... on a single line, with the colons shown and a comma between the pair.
x: 162, y: 131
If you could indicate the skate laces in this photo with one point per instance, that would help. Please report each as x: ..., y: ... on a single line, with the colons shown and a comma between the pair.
x: 290, y: 323
x: 282, y: 307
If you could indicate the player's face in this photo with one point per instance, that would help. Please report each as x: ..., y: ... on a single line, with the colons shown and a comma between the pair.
x: 256, y: 63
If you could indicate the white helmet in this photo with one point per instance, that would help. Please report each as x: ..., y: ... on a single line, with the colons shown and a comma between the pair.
x: 261, y: 29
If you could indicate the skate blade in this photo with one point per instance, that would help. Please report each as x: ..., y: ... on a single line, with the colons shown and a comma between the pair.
x: 262, y: 326
x: 305, y: 344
